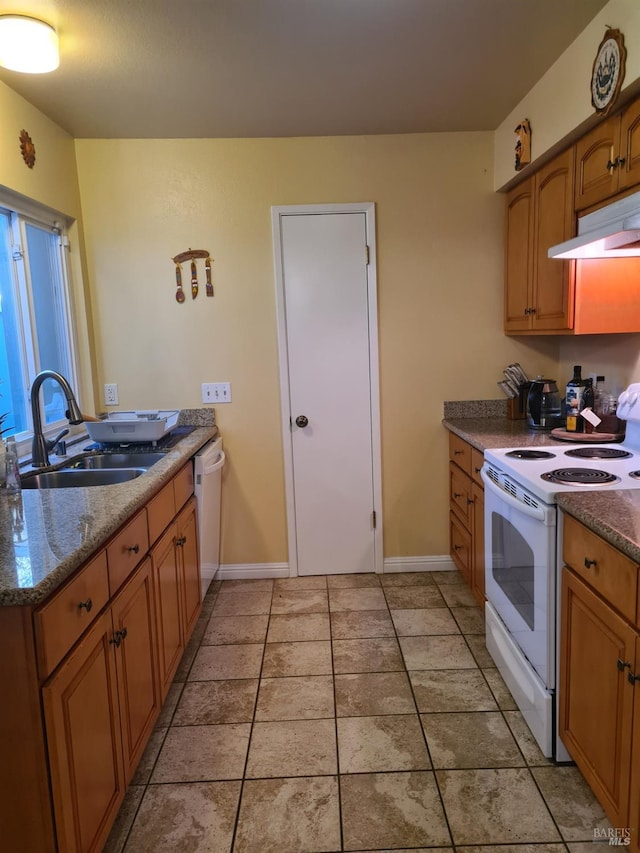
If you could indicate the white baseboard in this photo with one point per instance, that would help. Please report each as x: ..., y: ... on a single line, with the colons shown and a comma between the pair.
x: 244, y: 571
x: 442, y: 563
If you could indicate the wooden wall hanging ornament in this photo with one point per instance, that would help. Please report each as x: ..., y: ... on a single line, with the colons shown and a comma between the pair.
x: 28, y: 149
x: 193, y: 255
x: 523, y: 144
x: 608, y: 71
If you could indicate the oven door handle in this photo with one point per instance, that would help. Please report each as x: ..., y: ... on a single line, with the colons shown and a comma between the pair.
x: 525, y: 509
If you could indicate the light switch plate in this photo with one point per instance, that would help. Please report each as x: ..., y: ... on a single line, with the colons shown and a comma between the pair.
x: 216, y: 392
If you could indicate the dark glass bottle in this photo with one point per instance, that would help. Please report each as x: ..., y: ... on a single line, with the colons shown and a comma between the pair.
x: 574, y: 400
x: 587, y: 402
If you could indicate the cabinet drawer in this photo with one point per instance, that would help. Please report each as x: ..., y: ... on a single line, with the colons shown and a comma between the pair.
x: 183, y: 485
x: 460, y: 546
x: 62, y: 620
x: 127, y: 549
x: 460, y: 453
x: 477, y: 461
x: 603, y: 567
x: 460, y: 494
x: 160, y: 512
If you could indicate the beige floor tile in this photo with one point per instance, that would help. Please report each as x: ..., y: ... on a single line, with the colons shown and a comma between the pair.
x: 495, y: 806
x: 379, y: 744
x: 170, y: 703
x: 413, y: 597
x: 300, y: 601
x: 432, y: 620
x: 406, y: 579
x: 302, y: 582
x: 177, y: 818
x: 292, y: 748
x: 516, y: 848
x: 372, y: 693
x: 223, y: 630
x: 247, y: 585
x: 351, y: 581
x: 225, y: 662
x: 458, y: 595
x: 312, y: 657
x: 289, y: 815
x: 202, y: 753
x: 242, y: 603
x: 149, y: 757
x: 525, y: 740
x: 500, y: 690
x: 360, y: 624
x: 571, y: 802
x: 475, y: 739
x: 300, y: 698
x: 391, y: 809
x: 120, y: 829
x: 290, y: 628
x: 449, y: 652
x: 361, y: 598
x: 188, y: 657
x: 444, y: 690
x: 448, y: 577
x: 470, y: 619
x: 378, y: 654
x: 206, y: 703
x: 476, y: 643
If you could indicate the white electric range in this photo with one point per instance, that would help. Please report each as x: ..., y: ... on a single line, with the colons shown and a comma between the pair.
x: 523, y: 543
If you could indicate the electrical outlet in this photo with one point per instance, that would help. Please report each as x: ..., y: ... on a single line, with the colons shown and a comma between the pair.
x: 216, y: 392
x: 111, y: 394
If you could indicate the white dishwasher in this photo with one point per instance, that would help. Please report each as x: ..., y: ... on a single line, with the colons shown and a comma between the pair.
x: 209, y: 462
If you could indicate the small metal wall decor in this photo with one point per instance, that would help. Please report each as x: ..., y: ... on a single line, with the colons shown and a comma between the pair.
x: 192, y: 255
x: 523, y: 144
x: 28, y: 149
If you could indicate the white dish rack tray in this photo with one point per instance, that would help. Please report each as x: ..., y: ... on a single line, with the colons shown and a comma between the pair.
x: 139, y: 427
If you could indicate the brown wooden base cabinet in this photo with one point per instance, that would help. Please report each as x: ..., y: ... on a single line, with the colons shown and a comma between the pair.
x: 83, y: 678
x: 466, y: 513
x: 599, y: 669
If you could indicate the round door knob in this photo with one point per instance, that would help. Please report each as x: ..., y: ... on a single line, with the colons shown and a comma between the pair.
x: 302, y: 421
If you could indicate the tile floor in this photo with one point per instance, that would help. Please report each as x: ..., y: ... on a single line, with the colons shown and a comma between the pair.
x: 348, y: 712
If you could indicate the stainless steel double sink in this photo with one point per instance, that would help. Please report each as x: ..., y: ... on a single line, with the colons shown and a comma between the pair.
x: 95, y: 469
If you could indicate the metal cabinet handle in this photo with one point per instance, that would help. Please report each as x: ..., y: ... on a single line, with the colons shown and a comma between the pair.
x: 118, y: 637
x: 589, y: 563
x: 632, y: 678
x: 471, y: 500
x: 181, y: 541
x: 622, y: 664
x: 302, y: 421
x: 457, y: 494
x: 458, y: 452
x: 457, y: 547
x: 134, y: 548
x: 88, y: 604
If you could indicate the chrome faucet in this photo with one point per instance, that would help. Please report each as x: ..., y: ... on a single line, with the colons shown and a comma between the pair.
x: 41, y: 446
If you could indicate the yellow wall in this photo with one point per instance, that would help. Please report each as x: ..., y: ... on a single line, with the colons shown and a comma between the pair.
x: 439, y: 227
x: 53, y: 182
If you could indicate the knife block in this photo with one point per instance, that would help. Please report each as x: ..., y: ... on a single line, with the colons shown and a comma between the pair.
x: 517, y: 407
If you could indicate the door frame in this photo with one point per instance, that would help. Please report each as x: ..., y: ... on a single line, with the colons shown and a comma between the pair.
x: 277, y: 215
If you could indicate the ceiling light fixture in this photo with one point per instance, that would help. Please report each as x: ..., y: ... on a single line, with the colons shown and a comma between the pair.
x: 28, y: 45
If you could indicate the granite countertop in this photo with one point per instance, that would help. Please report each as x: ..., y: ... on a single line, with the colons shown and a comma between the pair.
x: 46, y: 534
x: 614, y: 515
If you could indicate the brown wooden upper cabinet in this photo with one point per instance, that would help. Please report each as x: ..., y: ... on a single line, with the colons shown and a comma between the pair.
x: 608, y: 158
x: 540, y: 213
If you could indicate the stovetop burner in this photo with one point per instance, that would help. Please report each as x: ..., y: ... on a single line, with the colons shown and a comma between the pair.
x: 530, y: 454
x: 579, y: 477
x: 598, y: 453
x: 635, y: 475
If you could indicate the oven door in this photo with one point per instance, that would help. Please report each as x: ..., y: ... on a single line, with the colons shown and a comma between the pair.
x: 520, y: 569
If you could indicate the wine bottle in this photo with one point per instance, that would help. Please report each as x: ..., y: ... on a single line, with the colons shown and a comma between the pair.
x: 574, y: 400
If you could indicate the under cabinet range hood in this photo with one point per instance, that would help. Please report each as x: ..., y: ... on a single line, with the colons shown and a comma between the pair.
x: 611, y: 232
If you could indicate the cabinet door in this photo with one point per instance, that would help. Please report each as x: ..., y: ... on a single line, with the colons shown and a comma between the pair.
x: 83, y: 733
x: 166, y: 586
x: 133, y: 617
x: 461, y: 548
x: 596, y: 698
x: 519, y: 257
x: 596, y: 177
x: 553, y: 279
x: 460, y: 494
x: 629, y: 170
x: 190, y: 564
x: 477, y: 532
x: 634, y: 797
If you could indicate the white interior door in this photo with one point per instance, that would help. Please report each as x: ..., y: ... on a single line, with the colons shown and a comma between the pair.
x: 326, y: 364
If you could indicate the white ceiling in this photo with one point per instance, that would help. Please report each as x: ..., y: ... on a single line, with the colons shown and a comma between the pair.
x: 242, y: 68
